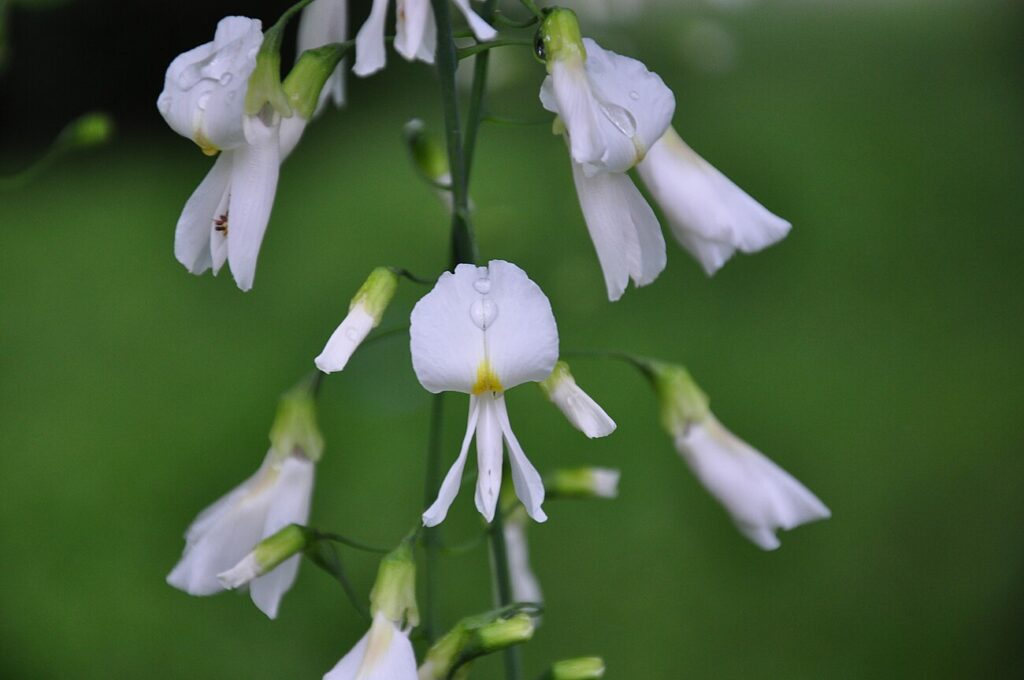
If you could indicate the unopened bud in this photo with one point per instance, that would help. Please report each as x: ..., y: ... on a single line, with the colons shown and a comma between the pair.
x: 394, y: 592
x: 682, y: 401
x: 474, y: 637
x: 308, y: 76
x: 429, y: 157
x: 92, y: 129
x: 583, y: 482
x: 364, y: 314
x: 558, y: 37
x: 583, y: 412
x: 583, y: 668
x: 295, y: 431
x: 268, y: 554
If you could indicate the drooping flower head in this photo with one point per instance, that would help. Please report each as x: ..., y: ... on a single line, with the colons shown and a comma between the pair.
x: 481, y: 331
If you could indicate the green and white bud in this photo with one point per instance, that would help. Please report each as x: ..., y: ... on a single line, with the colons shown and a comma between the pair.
x: 559, y: 39
x: 295, y: 431
x: 429, y: 157
x: 307, y: 78
x: 364, y: 314
x: 683, y: 403
x: 268, y: 553
x: 474, y: 637
x: 582, y: 483
x: 583, y: 412
x: 394, y: 592
x: 583, y: 668
x: 91, y: 129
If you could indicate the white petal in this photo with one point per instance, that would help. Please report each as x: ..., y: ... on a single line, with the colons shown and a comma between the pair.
x: 289, y: 134
x: 575, y: 104
x: 240, y: 574
x: 436, y: 513
x: 635, y: 104
x: 760, y: 496
x: 624, y: 229
x: 290, y: 505
x: 218, y: 231
x: 384, y: 653
x: 709, y: 214
x: 253, y: 185
x: 204, y: 88
x: 345, y: 339
x: 525, y: 586
x: 489, y: 457
x: 481, y: 29
x: 528, y: 483
x: 411, y: 25
x: 324, y: 22
x: 370, y: 53
x: 192, y: 233
x: 522, y: 340
x: 584, y: 413
x: 428, y: 47
x: 224, y: 533
x: 606, y: 482
x: 348, y: 666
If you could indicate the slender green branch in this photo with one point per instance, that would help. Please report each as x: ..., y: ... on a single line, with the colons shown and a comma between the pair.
x: 484, y: 48
x: 532, y: 6
x: 345, y: 540
x: 476, y: 96
x: 324, y: 555
x: 503, y: 20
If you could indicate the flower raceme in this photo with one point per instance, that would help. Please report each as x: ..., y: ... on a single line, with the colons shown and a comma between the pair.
x: 481, y: 331
x: 415, y: 33
x: 616, y: 115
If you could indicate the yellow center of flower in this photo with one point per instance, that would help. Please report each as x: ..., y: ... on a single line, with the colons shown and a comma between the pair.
x: 486, y: 379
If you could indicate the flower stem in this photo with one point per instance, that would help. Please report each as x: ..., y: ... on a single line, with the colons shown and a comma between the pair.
x: 476, y: 96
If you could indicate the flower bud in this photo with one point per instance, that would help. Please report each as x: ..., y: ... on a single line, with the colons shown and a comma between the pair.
x: 582, y: 411
x: 558, y: 37
x: 583, y: 482
x: 394, y: 592
x: 583, y: 668
x: 265, y: 82
x: 364, y: 314
x: 682, y: 402
x: 501, y: 633
x: 295, y: 431
x: 428, y: 155
x: 474, y: 637
x: 91, y: 129
x: 308, y: 77
x: 268, y: 553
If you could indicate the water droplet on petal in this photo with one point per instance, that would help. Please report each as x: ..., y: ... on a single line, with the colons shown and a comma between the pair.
x: 482, y: 286
x: 188, y: 78
x: 203, y: 101
x: 163, y: 103
x: 620, y: 118
x: 353, y: 334
x: 483, y: 312
x: 634, y: 95
x: 226, y: 79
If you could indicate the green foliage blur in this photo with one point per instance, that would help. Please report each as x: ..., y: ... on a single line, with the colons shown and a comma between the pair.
x: 875, y: 354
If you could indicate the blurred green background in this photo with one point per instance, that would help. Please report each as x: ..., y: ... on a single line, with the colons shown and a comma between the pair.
x: 875, y: 354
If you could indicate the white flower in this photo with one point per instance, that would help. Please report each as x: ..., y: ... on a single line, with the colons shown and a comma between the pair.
x: 324, y: 22
x: 709, y: 215
x: 483, y: 330
x: 525, y: 586
x: 227, y: 531
x: 204, y: 99
x: 583, y: 412
x: 365, y: 312
x: 384, y: 653
x: 415, y: 33
x: 760, y: 496
x: 613, y: 111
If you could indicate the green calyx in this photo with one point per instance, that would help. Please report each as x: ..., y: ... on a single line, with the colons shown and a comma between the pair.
x: 394, y: 591
x: 307, y: 78
x: 476, y: 636
x: 558, y: 375
x: 295, y: 431
x: 558, y: 37
x: 583, y: 668
x: 277, y: 548
x: 376, y: 292
x: 429, y: 157
x: 682, y: 402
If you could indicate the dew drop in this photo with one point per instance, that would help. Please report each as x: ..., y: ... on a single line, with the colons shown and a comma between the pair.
x: 634, y: 95
x: 188, y: 78
x: 482, y: 286
x: 226, y: 79
x: 203, y: 101
x: 483, y: 312
x: 164, y: 103
x: 353, y: 334
x: 620, y: 118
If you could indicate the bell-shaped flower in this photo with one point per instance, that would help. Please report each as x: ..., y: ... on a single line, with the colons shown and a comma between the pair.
x: 324, y: 22
x: 709, y: 215
x: 484, y: 330
x: 364, y: 314
x: 415, y: 33
x: 220, y: 540
x: 385, y: 652
x: 760, y: 496
x: 227, y: 531
x: 583, y: 412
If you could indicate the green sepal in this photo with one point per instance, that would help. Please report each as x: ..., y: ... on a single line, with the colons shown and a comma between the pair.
x: 295, y: 430
x: 309, y: 75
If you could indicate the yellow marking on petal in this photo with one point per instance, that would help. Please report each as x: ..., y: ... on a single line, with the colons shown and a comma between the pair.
x: 205, y: 145
x: 486, y: 379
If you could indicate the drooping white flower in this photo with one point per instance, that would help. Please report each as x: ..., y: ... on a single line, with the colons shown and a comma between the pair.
x: 760, y: 496
x: 324, y: 22
x: 709, y: 215
x: 227, y: 531
x: 415, y: 33
x: 483, y: 330
x: 583, y: 412
x: 385, y: 652
x: 365, y: 312
x: 204, y: 99
x: 612, y: 110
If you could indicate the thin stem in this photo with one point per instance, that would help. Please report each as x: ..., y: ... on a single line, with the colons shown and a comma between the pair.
x: 326, y: 557
x: 345, y: 540
x: 476, y: 96
x: 503, y: 583
x: 481, y: 49
x: 431, y: 535
x: 532, y: 6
